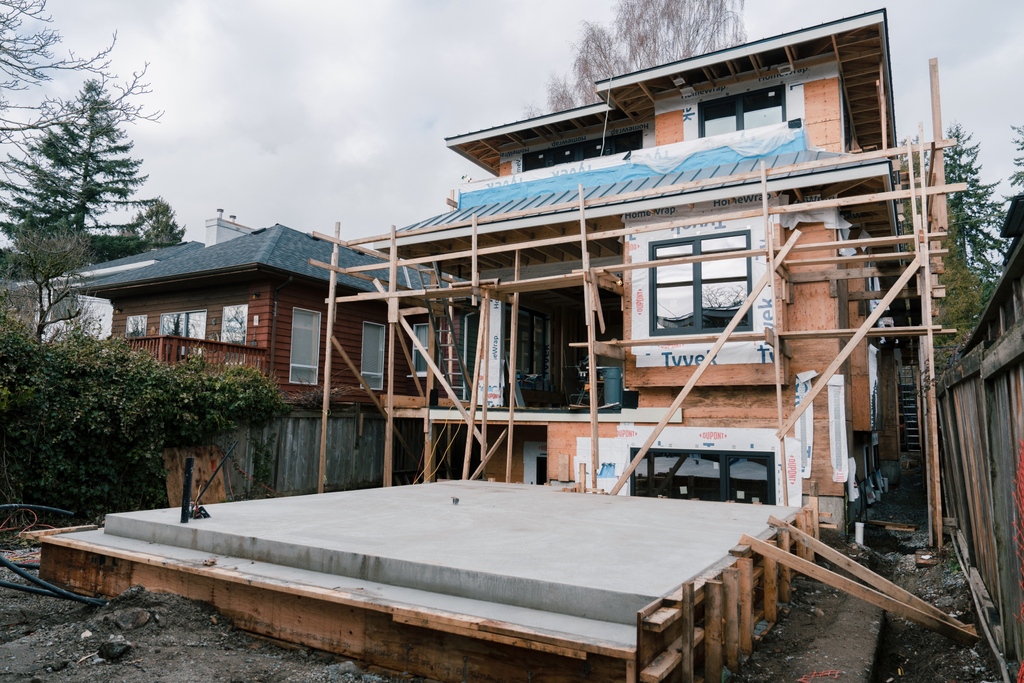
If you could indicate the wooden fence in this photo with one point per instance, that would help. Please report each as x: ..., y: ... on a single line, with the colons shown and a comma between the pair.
x: 981, y: 417
x: 284, y: 454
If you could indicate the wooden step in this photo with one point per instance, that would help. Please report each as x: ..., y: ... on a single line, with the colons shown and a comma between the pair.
x: 669, y: 660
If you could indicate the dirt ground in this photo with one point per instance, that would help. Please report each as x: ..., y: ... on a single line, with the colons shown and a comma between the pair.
x: 819, y: 623
x: 142, y: 636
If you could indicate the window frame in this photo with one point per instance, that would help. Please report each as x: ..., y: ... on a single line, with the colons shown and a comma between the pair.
x: 698, y: 285
x: 245, y: 323
x: 186, y: 315
x: 292, y: 365
x: 738, y: 102
x: 578, y: 150
x: 725, y: 479
x: 417, y: 357
x: 368, y: 376
x: 128, y: 329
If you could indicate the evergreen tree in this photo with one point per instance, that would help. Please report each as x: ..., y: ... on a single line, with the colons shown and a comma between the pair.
x: 157, y: 225
x: 975, y: 215
x: 1017, y: 177
x: 73, y: 175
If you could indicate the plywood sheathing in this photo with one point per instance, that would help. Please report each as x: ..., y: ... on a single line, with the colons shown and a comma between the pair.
x: 823, y: 114
x: 668, y: 127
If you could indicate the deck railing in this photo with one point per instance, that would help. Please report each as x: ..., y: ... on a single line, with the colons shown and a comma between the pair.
x: 173, y: 349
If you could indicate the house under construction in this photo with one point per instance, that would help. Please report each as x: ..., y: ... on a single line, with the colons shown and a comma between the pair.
x: 715, y: 284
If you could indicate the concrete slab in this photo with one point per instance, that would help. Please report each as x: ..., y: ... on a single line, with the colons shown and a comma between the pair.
x: 588, y: 556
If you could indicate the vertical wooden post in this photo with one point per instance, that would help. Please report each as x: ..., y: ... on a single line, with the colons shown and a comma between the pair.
x: 475, y: 390
x: 938, y: 161
x: 731, y: 584
x: 769, y: 241
x: 512, y: 380
x: 474, y: 261
x: 771, y: 589
x: 325, y: 410
x: 686, y: 660
x: 713, y: 631
x: 589, y: 306
x: 746, y: 569
x: 389, y: 430
x: 812, y: 503
x: 581, y: 478
x: 785, y: 573
x: 883, y: 108
x: 486, y: 376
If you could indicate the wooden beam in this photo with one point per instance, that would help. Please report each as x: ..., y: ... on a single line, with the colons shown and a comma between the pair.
x: 604, y: 349
x: 475, y: 391
x: 713, y: 630
x: 589, y: 305
x: 963, y: 635
x: 861, y: 572
x: 325, y: 408
x: 490, y: 453
x: 513, y: 380
x: 389, y: 430
x: 704, y: 365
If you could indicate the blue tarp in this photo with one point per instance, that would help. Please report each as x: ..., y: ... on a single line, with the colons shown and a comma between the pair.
x: 613, y: 174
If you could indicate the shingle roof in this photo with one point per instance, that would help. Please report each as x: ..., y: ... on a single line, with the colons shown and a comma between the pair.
x: 152, y: 255
x: 277, y: 247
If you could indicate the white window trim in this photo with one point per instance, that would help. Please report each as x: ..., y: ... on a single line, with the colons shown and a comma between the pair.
x: 316, y: 350
x: 223, y: 320
x: 145, y: 324
x: 369, y: 377
x: 416, y: 352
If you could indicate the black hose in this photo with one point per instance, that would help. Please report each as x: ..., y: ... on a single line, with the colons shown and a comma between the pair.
x: 36, y: 508
x: 27, y: 589
x: 57, y: 592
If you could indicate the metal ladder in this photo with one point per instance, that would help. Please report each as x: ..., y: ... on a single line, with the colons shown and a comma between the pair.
x: 450, y: 359
x: 910, y: 436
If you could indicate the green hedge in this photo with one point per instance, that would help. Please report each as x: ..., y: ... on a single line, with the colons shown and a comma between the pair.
x: 83, y: 422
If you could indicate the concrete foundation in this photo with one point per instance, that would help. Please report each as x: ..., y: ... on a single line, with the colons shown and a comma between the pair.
x: 590, y: 556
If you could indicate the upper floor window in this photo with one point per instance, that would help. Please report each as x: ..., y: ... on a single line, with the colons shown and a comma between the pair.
x: 692, y: 298
x: 566, y: 154
x: 233, y: 323
x: 188, y: 324
x: 135, y: 326
x: 305, y: 352
x: 742, y: 112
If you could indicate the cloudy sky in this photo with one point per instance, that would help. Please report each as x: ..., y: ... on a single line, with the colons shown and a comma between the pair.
x: 308, y: 112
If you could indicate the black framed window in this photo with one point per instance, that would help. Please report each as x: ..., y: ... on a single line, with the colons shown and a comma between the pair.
x: 713, y: 476
x: 692, y: 298
x: 742, y: 112
x: 567, y: 154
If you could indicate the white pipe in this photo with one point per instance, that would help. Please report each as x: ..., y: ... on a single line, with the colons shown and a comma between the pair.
x: 858, y: 533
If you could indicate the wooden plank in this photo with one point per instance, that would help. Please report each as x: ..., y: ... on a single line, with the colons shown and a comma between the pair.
x: 325, y: 411
x: 864, y: 574
x: 490, y: 453
x: 731, y: 600
x: 713, y: 627
x: 771, y: 589
x: 481, y: 336
x: 41, y: 533
x: 513, y: 381
x: 964, y: 635
x: 785, y: 573
x: 746, y: 588
x: 689, y: 638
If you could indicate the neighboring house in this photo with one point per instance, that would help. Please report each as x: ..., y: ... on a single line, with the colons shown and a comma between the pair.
x: 247, y: 296
x: 676, y: 238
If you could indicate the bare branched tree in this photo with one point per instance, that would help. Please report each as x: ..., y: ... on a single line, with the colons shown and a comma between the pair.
x: 29, y: 59
x: 42, y: 278
x: 645, y: 33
